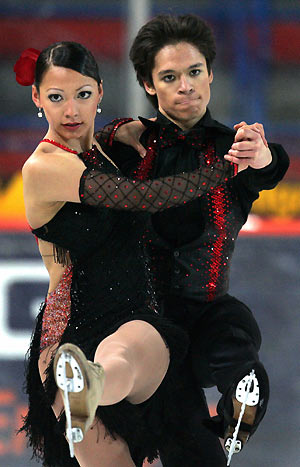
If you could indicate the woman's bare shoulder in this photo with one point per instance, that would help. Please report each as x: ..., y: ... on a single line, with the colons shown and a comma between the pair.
x: 47, y: 161
x: 37, y: 161
x: 36, y: 185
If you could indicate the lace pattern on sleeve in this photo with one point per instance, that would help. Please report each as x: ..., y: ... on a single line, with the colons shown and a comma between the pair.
x: 113, y: 191
x: 106, y: 135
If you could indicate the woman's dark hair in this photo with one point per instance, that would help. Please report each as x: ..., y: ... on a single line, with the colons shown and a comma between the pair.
x: 68, y: 55
x: 164, y: 30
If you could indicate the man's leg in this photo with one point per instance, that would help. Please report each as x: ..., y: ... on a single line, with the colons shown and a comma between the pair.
x: 225, y: 352
x: 191, y: 443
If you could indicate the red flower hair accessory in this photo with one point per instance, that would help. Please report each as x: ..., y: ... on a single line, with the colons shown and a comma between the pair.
x: 25, y: 67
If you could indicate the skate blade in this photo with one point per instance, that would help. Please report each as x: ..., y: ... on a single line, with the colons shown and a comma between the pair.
x: 232, y: 449
x: 247, y: 393
x: 69, y: 379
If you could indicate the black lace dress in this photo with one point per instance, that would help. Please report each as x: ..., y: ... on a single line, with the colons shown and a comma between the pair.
x: 110, y: 286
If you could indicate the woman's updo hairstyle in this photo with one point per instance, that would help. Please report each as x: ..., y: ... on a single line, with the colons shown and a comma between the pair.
x: 68, y: 55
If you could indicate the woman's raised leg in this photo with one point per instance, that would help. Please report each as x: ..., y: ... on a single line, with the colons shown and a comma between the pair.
x: 135, y: 360
x: 97, y: 448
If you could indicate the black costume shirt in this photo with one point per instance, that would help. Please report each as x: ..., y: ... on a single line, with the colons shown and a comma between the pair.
x: 191, y: 246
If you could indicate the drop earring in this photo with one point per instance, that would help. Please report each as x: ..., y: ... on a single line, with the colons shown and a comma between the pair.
x: 98, y: 109
x: 40, y: 113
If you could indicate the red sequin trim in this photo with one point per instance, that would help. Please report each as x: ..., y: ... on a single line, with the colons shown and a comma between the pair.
x: 146, y: 163
x: 218, y: 202
x: 92, y: 157
x: 117, y: 123
x: 55, y: 143
x: 235, y: 169
x: 219, y: 211
x: 57, y: 312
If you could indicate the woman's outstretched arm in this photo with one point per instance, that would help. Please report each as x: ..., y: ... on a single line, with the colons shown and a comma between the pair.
x: 55, y: 178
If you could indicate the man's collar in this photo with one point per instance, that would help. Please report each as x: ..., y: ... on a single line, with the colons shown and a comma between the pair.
x: 206, y: 121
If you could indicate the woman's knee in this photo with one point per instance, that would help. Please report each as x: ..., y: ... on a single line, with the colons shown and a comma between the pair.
x: 134, y: 338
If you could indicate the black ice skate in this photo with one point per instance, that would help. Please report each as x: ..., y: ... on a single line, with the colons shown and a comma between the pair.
x: 244, y: 402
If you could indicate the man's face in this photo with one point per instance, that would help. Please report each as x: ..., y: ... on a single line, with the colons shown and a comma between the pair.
x: 181, y: 83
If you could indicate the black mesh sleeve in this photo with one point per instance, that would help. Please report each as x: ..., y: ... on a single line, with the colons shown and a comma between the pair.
x: 113, y: 191
x: 106, y: 135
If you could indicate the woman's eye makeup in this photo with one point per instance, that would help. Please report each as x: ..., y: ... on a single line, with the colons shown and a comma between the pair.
x: 55, y: 97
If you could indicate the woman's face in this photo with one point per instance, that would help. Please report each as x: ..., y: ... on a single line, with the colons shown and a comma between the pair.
x: 69, y: 100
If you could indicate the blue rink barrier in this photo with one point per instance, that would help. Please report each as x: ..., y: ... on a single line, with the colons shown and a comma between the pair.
x: 265, y: 275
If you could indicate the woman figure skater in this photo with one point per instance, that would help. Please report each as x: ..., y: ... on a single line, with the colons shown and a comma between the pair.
x: 101, y: 365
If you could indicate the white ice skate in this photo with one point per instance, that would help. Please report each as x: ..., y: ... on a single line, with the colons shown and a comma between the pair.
x: 81, y: 384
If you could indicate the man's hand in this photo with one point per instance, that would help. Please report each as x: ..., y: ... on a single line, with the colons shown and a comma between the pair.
x: 250, y: 147
x: 130, y: 134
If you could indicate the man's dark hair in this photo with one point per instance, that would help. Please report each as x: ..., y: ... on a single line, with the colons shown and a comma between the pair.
x: 164, y: 30
x: 66, y: 54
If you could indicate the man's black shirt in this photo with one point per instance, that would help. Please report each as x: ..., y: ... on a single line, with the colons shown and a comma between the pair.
x: 183, y: 224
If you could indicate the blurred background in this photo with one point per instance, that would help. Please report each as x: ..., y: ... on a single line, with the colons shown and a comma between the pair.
x: 256, y: 78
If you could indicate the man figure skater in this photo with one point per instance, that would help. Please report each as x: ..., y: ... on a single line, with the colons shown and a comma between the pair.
x: 190, y: 248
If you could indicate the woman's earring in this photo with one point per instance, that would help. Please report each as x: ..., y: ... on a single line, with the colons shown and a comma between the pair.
x: 40, y: 113
x: 98, y: 109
